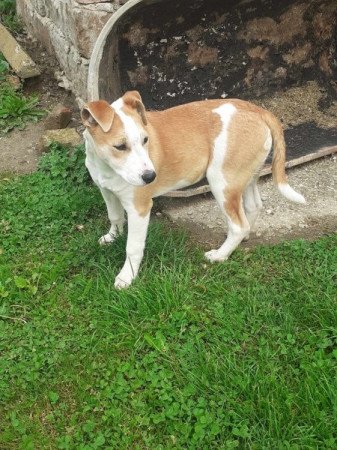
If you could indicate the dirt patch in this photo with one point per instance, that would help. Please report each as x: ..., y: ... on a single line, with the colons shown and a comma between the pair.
x: 200, y: 56
x: 277, y: 32
x: 238, y: 49
x: 301, y: 104
x: 19, y: 150
x: 279, y: 220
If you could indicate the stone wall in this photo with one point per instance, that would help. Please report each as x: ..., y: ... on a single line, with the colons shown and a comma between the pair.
x: 68, y: 29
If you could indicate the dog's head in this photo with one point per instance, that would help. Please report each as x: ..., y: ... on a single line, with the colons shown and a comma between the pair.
x: 120, y: 136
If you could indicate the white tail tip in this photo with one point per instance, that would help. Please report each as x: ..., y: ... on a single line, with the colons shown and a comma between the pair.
x: 290, y: 194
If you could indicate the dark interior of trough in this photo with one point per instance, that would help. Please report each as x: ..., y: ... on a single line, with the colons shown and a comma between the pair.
x: 278, y: 54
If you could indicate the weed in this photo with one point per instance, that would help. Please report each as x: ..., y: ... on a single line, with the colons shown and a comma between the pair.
x: 8, y: 16
x: 4, y: 67
x: 64, y: 165
x: 16, y: 109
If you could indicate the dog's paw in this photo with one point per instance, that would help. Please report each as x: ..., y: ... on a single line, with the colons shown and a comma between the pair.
x: 106, y: 239
x: 121, y: 283
x: 214, y: 256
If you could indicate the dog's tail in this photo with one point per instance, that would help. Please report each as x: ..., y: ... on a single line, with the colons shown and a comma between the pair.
x: 279, y: 159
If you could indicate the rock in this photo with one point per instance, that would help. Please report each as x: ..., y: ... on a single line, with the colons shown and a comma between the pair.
x: 68, y: 137
x: 65, y: 83
x: 58, y: 118
x: 88, y: 24
x: 14, y: 81
x: 21, y: 63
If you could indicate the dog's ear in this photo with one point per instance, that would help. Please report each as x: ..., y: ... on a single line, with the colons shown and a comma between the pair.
x: 134, y: 100
x: 99, y: 112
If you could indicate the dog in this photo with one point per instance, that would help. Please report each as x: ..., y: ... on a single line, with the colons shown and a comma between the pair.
x: 134, y: 155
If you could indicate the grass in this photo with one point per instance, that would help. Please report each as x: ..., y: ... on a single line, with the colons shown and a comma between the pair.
x: 4, y: 68
x: 235, y: 355
x: 8, y: 16
x: 16, y: 109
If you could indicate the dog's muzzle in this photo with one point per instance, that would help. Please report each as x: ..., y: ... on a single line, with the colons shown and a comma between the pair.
x: 148, y: 176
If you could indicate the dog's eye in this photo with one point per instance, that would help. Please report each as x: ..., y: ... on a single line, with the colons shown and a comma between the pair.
x: 120, y: 147
x: 145, y: 140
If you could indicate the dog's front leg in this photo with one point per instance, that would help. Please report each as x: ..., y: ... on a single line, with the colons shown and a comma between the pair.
x: 116, y: 216
x: 137, y: 230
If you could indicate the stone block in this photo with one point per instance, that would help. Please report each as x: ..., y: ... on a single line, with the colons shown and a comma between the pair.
x: 68, y: 137
x: 39, y: 7
x: 36, y: 25
x: 13, y: 81
x: 58, y: 118
x: 60, y: 14
x: 75, y: 67
x: 21, y: 63
x: 88, y: 24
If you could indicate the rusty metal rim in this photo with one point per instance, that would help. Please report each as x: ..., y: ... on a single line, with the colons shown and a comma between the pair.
x: 97, y: 53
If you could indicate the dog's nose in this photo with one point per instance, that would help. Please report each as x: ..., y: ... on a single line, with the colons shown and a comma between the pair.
x: 148, y: 176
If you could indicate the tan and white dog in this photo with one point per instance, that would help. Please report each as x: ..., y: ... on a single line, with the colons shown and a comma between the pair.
x: 134, y: 155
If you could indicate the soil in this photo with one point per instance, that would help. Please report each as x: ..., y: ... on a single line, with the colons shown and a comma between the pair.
x: 19, y: 149
x: 280, y: 220
x: 175, y: 52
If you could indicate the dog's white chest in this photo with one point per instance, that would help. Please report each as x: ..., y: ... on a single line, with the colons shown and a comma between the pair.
x: 104, y: 177
x: 102, y: 181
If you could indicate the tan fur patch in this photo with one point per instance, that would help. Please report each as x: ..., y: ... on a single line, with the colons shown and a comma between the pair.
x: 245, y: 154
x: 115, y: 136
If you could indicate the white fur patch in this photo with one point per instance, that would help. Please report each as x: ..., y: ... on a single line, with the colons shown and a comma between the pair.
x: 137, y: 230
x: 226, y: 113
x: 268, y: 142
x: 289, y: 193
x: 215, y: 173
x: 131, y: 130
x: 138, y: 159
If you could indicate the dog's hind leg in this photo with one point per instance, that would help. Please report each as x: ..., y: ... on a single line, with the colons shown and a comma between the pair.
x: 115, y: 214
x: 230, y: 202
x: 252, y: 203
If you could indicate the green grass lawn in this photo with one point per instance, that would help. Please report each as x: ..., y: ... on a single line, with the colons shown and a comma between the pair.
x: 193, y: 356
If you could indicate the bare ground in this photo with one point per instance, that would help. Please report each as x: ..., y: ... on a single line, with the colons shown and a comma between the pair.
x: 19, y: 149
x: 279, y: 219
